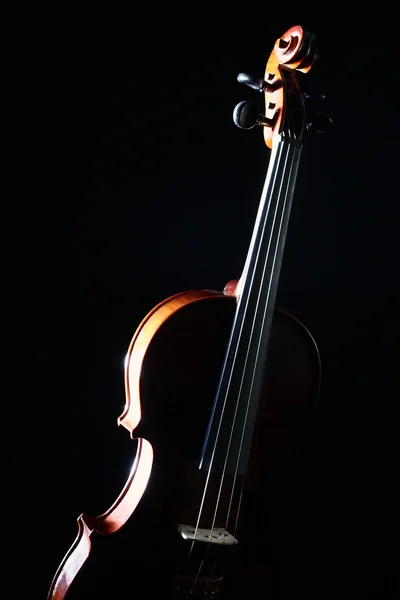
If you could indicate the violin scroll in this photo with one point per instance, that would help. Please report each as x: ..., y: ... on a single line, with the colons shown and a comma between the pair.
x: 295, y: 50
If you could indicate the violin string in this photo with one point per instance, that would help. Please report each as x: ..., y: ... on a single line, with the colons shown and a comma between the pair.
x: 245, y: 271
x: 209, y: 575
x: 259, y: 329
x: 197, y: 575
x: 239, y: 394
x: 279, y: 205
x: 259, y: 345
x: 269, y: 187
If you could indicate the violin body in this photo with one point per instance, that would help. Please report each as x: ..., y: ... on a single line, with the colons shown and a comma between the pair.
x: 186, y: 338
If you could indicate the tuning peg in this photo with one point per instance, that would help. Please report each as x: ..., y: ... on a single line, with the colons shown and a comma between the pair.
x: 246, y: 116
x: 319, y: 123
x: 256, y: 83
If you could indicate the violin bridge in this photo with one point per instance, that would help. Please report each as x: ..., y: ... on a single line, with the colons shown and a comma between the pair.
x: 218, y: 535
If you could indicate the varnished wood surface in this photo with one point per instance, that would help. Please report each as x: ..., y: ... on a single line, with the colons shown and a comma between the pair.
x: 179, y: 348
x: 295, y: 50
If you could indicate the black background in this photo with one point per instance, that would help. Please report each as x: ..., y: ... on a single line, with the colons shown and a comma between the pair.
x: 132, y: 183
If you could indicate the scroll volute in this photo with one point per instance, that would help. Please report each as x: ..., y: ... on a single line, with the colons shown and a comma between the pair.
x: 295, y: 51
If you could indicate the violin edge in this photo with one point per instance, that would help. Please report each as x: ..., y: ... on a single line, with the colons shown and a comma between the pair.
x: 140, y: 342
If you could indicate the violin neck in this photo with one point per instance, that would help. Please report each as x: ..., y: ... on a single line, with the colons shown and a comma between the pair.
x: 241, y: 379
x: 264, y: 257
x: 259, y: 281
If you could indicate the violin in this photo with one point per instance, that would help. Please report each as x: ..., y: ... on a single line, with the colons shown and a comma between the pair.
x: 216, y: 383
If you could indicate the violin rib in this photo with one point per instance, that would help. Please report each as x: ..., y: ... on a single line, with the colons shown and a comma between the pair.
x: 130, y: 417
x: 71, y: 563
x: 108, y: 522
x: 121, y: 510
